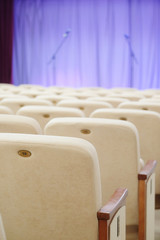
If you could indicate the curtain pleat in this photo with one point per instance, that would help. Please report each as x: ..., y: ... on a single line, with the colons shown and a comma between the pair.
x: 6, y: 37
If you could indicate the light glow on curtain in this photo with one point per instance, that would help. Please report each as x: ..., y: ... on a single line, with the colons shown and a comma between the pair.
x: 96, y: 52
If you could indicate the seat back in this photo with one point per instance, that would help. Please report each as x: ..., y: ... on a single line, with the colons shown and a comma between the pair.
x: 86, y: 106
x: 5, y: 110
x: 49, y: 187
x: 16, y: 103
x: 54, y: 99
x: 43, y: 114
x: 148, y: 126
x: 19, y: 124
x: 117, y: 145
x: 113, y: 101
x: 141, y: 105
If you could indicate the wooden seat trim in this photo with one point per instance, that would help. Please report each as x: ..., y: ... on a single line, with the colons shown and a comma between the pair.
x: 147, y: 171
x: 106, y: 213
x: 143, y: 177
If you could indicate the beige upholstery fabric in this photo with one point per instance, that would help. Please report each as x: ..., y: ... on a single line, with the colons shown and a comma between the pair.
x: 150, y: 218
x: 131, y: 96
x: 82, y: 95
x: 43, y: 114
x: 4, y: 96
x: 15, y: 104
x: 54, y: 193
x: 5, y: 110
x: 31, y: 93
x: 123, y: 89
x: 117, y: 226
x: 141, y: 105
x: 54, y: 99
x: 19, y: 124
x: 117, y: 146
x: 113, y: 101
x: 31, y: 87
x: 85, y: 105
x: 148, y: 126
x: 151, y: 100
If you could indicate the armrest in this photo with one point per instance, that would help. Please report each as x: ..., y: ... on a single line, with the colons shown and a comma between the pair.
x: 146, y: 209
x: 147, y: 171
x: 117, y: 200
x: 107, y: 214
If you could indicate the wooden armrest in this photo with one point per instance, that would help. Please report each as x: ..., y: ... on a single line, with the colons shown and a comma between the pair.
x: 143, y: 181
x: 147, y: 171
x: 106, y: 214
x: 117, y: 200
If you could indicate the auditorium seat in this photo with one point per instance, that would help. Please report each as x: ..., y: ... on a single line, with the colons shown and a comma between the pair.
x: 5, y: 110
x: 85, y: 105
x: 10, y: 95
x: 150, y: 92
x: 141, y: 105
x: 117, y: 145
x: 50, y: 189
x: 59, y: 90
x: 31, y: 87
x: 129, y: 96
x: 113, y: 101
x: 31, y: 93
x: 43, y: 114
x: 80, y: 95
x: 19, y: 124
x: 6, y: 86
x: 148, y: 126
x: 123, y: 89
x: 16, y: 103
x: 151, y: 100
x: 54, y: 99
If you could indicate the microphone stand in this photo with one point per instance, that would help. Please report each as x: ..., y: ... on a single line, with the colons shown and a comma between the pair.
x: 132, y: 58
x: 53, y: 58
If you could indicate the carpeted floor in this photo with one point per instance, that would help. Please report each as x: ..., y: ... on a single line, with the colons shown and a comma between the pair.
x: 157, y: 225
x: 134, y: 236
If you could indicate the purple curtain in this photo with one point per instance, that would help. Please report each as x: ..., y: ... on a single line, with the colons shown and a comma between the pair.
x: 111, y: 43
x: 6, y: 32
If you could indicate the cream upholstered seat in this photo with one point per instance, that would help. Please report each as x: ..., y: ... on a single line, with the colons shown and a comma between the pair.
x: 5, y: 110
x: 85, y: 105
x: 50, y: 189
x: 16, y: 103
x: 43, y: 114
x: 129, y: 96
x: 81, y: 95
x: 117, y: 145
x: 4, y: 96
x: 31, y: 87
x: 19, y: 124
x: 123, y: 89
x: 148, y: 126
x: 141, y: 105
x: 113, y: 101
x: 54, y: 99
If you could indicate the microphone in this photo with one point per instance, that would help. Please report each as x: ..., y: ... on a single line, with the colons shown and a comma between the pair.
x: 67, y: 32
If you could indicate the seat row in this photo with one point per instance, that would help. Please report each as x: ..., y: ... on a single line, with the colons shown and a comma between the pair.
x: 116, y: 143
x: 117, y: 146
